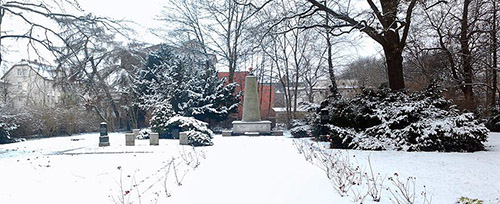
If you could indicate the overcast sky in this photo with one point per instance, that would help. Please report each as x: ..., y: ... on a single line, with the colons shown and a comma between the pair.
x: 144, y: 13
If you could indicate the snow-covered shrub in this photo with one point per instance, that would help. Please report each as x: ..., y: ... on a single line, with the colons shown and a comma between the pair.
x: 304, y: 127
x: 309, y: 107
x: 423, y: 121
x: 199, y: 138
x: 5, y: 129
x: 493, y: 122
x: 200, y: 134
x: 143, y: 135
x: 188, y: 123
x: 189, y: 83
x: 161, y: 114
x: 466, y: 200
x: 301, y: 131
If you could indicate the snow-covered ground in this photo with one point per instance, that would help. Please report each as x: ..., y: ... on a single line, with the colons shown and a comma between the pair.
x: 234, y: 170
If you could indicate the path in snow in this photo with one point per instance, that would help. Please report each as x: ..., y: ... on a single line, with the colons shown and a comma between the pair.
x: 236, y: 170
x: 255, y: 170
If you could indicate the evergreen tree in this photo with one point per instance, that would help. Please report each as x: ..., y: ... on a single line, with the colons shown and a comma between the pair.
x: 189, y: 84
x: 150, y: 81
x: 161, y: 114
x: 215, y: 100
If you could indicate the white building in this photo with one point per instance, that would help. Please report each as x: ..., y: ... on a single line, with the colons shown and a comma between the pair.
x: 29, y: 83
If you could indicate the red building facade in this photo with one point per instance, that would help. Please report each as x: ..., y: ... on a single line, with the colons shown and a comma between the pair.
x: 265, y: 91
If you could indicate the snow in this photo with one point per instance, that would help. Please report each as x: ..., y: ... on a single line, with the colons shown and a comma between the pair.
x: 235, y: 170
x: 251, y: 170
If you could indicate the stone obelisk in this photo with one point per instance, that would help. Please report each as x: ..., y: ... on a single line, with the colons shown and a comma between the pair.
x: 251, y: 123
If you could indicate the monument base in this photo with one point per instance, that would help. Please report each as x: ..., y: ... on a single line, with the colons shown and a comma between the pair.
x: 103, y: 141
x: 262, y: 127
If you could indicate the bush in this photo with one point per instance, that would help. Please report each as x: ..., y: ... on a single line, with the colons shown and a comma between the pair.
x: 143, y: 135
x: 423, y: 121
x: 162, y: 112
x: 466, y: 200
x: 199, y: 138
x: 198, y: 131
x: 301, y: 131
x: 493, y: 122
x: 55, y: 121
x: 304, y: 127
x: 5, y: 129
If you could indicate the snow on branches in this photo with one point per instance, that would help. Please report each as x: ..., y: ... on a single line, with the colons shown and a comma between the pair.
x: 189, y: 84
x: 384, y: 120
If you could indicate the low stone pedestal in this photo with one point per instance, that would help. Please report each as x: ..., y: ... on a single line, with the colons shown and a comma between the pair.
x: 277, y: 133
x: 227, y: 133
x: 154, y: 138
x: 129, y: 139
x: 136, y: 131
x: 175, y: 133
x: 183, y: 139
x: 262, y: 127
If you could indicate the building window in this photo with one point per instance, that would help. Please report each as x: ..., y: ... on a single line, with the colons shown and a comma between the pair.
x: 19, y: 85
x: 21, y: 72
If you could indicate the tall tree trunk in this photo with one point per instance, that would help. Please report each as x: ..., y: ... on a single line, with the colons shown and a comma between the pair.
x: 270, y: 92
x: 494, y: 50
x: 2, y: 13
x: 297, y: 66
x: 394, y: 60
x: 333, y: 87
x: 105, y: 88
x: 466, y: 58
x: 232, y: 68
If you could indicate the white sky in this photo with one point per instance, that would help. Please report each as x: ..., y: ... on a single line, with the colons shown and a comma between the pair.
x: 144, y: 13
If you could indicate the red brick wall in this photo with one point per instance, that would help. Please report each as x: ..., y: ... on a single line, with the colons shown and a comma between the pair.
x: 266, y: 111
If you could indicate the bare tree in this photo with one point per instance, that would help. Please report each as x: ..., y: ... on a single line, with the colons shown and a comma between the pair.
x: 459, y: 28
x: 186, y: 22
x: 388, y: 24
x: 369, y: 72
x: 230, y: 33
x: 494, y: 51
x: 92, y: 58
x: 37, y: 24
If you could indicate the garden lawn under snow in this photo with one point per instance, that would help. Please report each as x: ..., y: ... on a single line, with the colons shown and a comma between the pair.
x: 234, y: 170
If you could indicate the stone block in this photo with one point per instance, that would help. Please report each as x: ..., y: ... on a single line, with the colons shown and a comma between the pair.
x: 183, y: 139
x: 227, y: 133
x: 277, y: 133
x: 136, y: 131
x: 154, y: 138
x: 129, y: 139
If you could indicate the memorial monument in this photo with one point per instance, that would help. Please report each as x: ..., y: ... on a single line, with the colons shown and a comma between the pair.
x: 103, y: 138
x: 251, y: 123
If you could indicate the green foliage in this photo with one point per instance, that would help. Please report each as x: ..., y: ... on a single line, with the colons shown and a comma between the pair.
x: 197, y: 131
x: 161, y: 114
x: 466, y: 200
x: 190, y: 85
x: 423, y: 121
x: 493, y: 122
